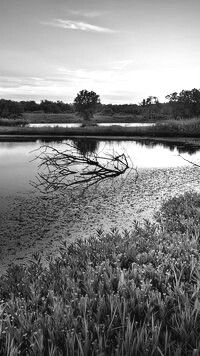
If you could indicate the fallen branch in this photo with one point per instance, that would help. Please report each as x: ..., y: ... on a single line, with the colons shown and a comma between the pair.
x: 68, y: 169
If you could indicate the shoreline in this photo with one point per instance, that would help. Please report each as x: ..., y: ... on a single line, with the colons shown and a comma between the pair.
x: 31, y: 223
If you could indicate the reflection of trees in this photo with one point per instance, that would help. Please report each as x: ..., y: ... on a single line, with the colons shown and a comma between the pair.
x: 181, y: 148
x: 86, y: 145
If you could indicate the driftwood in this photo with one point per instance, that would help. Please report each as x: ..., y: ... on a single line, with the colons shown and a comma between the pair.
x: 68, y: 169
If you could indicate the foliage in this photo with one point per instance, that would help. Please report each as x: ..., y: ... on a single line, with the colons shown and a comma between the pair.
x: 54, y: 107
x: 126, y: 109
x: 128, y: 293
x: 178, y: 128
x: 181, y: 214
x: 9, y: 108
x: 150, y: 107
x: 86, y: 103
x: 186, y: 103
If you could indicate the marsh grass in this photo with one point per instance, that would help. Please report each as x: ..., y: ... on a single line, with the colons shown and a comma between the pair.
x: 130, y: 293
x: 179, y: 128
x: 167, y: 129
x: 13, y: 122
x: 72, y: 117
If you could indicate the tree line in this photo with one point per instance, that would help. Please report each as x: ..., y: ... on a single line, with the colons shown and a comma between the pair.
x: 179, y: 105
x: 10, y: 108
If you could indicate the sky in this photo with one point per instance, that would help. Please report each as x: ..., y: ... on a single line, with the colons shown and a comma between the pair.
x: 123, y: 50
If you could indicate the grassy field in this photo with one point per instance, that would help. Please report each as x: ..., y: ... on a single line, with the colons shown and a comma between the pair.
x: 69, y: 118
x: 13, y: 122
x: 77, y: 131
x: 136, y: 293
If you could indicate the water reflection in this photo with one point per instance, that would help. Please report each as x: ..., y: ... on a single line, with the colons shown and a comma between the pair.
x: 180, y: 147
x: 86, y: 146
x: 17, y: 167
x: 64, y: 125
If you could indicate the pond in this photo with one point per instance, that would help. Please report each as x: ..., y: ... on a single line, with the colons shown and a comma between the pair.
x: 18, y: 167
x: 124, y: 124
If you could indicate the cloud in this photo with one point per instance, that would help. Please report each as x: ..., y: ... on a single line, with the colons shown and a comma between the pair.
x: 77, y: 25
x: 113, y: 86
x: 90, y: 14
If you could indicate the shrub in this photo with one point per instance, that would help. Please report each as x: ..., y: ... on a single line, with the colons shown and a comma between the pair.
x: 128, y: 293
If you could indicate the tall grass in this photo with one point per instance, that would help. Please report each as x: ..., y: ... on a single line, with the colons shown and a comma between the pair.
x: 13, y: 122
x: 184, y: 127
x: 134, y: 293
x: 72, y: 117
x: 170, y: 128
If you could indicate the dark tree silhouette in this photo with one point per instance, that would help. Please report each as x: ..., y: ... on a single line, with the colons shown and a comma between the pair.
x: 186, y: 103
x: 86, y: 104
x: 150, y: 106
x: 69, y: 169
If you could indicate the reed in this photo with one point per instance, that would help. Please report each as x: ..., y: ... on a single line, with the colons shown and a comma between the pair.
x: 166, y: 129
x: 13, y: 122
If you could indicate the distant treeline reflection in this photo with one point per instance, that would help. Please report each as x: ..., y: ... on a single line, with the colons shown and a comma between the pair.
x: 181, y: 148
x: 91, y: 145
x: 88, y: 146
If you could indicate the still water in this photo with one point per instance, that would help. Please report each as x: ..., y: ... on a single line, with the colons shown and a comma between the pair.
x: 124, y: 124
x: 18, y: 167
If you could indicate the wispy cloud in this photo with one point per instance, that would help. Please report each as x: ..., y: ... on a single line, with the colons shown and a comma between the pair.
x: 77, y: 25
x: 90, y: 14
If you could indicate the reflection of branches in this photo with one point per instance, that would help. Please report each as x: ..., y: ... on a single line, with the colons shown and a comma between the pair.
x: 187, y: 160
x: 68, y: 169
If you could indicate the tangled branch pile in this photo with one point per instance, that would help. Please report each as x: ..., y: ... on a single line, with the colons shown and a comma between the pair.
x: 69, y: 169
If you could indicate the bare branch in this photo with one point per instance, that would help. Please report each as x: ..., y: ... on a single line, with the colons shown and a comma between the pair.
x: 187, y: 160
x: 67, y: 169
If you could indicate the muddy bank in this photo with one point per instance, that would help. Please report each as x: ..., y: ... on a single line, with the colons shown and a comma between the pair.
x: 31, y: 223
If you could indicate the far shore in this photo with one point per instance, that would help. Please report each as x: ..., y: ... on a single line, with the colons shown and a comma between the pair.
x: 157, y: 132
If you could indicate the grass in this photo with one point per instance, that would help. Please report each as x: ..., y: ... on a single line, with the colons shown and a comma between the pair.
x: 68, y: 118
x: 130, y: 293
x: 13, y: 122
x: 168, y: 129
x: 78, y: 131
x: 50, y: 118
x: 180, y: 128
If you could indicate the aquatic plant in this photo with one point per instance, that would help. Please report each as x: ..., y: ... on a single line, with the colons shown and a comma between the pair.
x: 117, y: 293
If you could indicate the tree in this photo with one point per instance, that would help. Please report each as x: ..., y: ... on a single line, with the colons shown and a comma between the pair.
x: 86, y: 104
x: 150, y: 106
x: 172, y: 97
x: 186, y: 103
x: 9, y: 108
